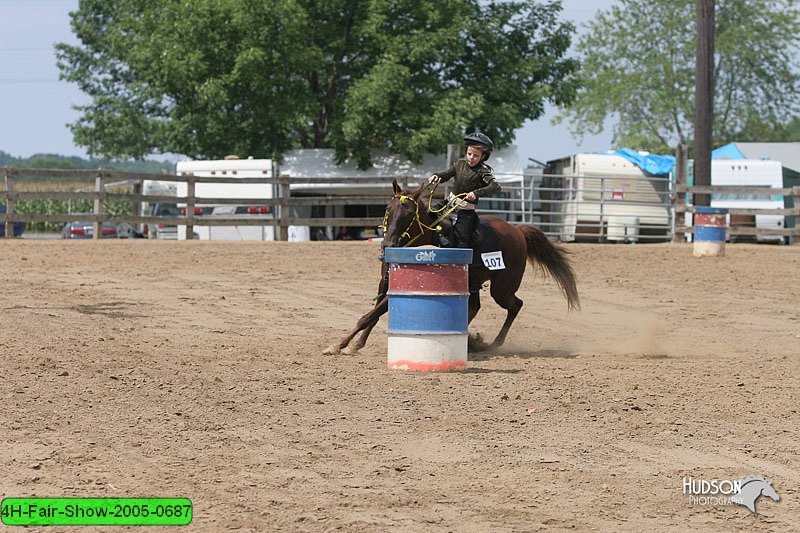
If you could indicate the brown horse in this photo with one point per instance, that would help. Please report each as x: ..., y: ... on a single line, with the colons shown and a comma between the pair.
x: 408, y: 221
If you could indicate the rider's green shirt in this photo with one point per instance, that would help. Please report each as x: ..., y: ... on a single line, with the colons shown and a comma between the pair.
x: 478, y: 179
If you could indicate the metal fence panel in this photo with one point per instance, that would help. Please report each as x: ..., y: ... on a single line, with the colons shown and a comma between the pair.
x: 588, y: 208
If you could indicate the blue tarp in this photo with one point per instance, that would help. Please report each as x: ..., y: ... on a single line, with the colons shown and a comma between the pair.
x: 729, y: 151
x: 655, y: 165
x: 662, y: 165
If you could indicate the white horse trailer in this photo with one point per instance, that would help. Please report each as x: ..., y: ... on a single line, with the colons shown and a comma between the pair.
x: 750, y: 173
x: 230, y: 168
x: 604, y: 197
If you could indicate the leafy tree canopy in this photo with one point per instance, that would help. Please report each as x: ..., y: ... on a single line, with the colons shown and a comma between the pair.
x: 207, y: 78
x: 639, y: 67
x: 792, y: 131
x: 758, y: 131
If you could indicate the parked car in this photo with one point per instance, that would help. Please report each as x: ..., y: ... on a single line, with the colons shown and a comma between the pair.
x: 19, y: 227
x: 85, y: 230
x: 161, y: 230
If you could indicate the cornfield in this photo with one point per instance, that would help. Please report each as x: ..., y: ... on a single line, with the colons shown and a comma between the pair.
x: 59, y: 207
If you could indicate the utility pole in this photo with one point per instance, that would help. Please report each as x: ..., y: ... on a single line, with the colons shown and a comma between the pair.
x: 704, y: 98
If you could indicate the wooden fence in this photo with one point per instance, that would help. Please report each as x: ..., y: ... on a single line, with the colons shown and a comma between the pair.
x: 282, y: 202
x: 743, y: 219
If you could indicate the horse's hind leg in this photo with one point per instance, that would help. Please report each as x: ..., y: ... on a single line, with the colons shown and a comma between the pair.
x: 475, y: 342
x: 512, y: 305
x: 474, y: 305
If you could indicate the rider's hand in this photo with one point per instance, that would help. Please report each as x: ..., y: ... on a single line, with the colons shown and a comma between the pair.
x: 433, y: 179
x: 471, y: 197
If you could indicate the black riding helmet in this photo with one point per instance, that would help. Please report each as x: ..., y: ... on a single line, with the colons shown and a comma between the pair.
x: 481, y: 140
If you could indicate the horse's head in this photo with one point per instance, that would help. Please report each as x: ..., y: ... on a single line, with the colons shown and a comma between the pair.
x: 752, y: 487
x: 768, y: 490
x: 405, y: 218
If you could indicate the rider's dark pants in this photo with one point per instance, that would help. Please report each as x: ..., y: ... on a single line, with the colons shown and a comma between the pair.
x: 464, y: 228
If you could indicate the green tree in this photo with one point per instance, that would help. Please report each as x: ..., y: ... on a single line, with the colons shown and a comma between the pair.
x: 792, y: 131
x: 760, y: 131
x: 7, y: 159
x: 638, y: 66
x: 207, y: 78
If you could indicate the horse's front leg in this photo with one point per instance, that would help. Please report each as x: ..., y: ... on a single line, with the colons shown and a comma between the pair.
x: 365, y: 324
x: 362, y: 339
x: 383, y: 284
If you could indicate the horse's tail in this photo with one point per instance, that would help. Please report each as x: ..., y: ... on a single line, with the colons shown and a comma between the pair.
x: 552, y: 259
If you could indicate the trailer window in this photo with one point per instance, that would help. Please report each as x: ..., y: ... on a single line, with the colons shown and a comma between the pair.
x: 735, y: 196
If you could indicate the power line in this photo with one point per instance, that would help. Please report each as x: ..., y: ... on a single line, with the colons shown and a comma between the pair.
x: 16, y: 81
x: 31, y: 49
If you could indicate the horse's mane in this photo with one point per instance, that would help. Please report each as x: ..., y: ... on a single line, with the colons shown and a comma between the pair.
x: 749, y: 479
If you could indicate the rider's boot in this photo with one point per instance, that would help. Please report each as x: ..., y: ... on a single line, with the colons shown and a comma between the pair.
x: 475, y: 286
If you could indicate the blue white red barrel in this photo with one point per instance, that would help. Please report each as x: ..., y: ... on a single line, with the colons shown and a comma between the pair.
x: 710, y: 226
x: 428, y: 308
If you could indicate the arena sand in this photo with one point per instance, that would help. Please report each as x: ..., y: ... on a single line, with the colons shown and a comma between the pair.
x: 194, y: 369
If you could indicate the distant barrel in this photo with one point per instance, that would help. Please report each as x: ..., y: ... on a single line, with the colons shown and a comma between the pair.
x: 710, y: 226
x: 428, y: 308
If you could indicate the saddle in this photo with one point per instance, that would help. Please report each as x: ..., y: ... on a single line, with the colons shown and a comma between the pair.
x: 484, y: 239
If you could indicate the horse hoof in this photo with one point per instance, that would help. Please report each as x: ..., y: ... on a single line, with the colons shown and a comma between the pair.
x: 475, y: 343
x: 331, y: 350
x: 350, y: 351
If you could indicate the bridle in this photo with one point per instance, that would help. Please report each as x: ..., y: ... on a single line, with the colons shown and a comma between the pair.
x: 403, y: 198
x: 448, y: 208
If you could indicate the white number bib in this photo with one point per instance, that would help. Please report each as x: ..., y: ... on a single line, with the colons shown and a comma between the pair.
x: 493, y: 260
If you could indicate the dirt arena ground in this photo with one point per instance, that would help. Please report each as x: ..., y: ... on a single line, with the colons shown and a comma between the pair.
x: 194, y: 369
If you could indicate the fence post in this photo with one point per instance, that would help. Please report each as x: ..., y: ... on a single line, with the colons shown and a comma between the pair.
x: 136, y: 205
x: 9, y: 204
x: 680, y: 197
x: 453, y: 151
x: 284, y: 193
x: 794, y: 219
x: 602, y: 210
x: 98, y: 205
x: 190, y: 201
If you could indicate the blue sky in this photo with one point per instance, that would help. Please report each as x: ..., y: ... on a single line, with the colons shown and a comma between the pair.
x: 36, y: 106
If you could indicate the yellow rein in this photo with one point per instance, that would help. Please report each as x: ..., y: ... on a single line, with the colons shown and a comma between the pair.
x: 448, y: 208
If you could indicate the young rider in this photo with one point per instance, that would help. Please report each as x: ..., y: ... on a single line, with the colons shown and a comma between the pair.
x: 473, y: 179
